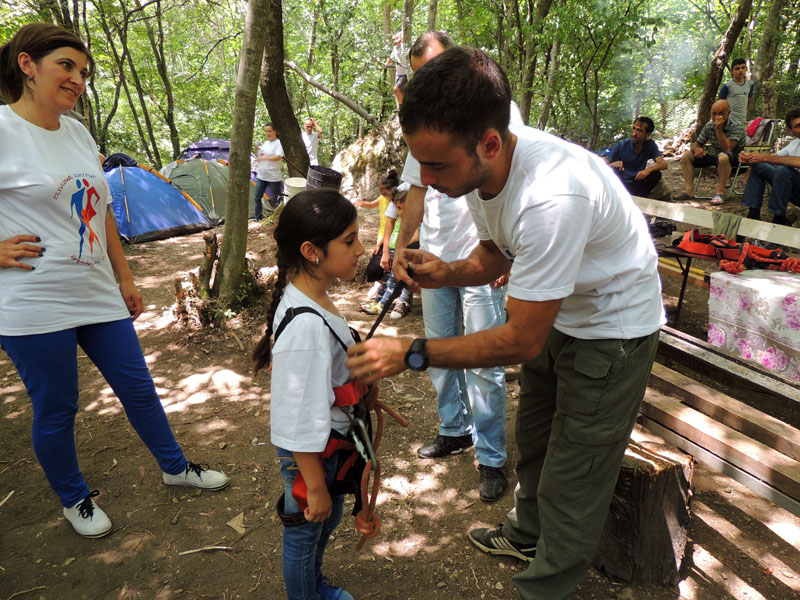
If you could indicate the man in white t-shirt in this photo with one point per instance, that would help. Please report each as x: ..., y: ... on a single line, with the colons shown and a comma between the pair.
x: 781, y: 170
x: 471, y: 402
x: 584, y: 307
x: 311, y: 139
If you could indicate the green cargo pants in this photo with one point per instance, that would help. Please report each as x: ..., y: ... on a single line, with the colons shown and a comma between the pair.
x: 577, y: 406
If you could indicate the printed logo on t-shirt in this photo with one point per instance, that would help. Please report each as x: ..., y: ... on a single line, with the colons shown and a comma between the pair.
x: 84, y: 199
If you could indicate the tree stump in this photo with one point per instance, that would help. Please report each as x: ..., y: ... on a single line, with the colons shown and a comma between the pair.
x: 207, y: 266
x: 644, y: 537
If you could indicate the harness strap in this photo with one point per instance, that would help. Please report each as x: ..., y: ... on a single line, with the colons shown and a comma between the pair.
x: 715, y: 246
x: 292, y: 312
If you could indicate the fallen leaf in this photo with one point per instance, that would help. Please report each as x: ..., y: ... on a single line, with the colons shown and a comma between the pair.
x: 237, y: 523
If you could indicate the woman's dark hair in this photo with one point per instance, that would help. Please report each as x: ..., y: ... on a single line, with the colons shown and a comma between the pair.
x: 38, y: 40
x: 391, y: 179
x: 317, y: 216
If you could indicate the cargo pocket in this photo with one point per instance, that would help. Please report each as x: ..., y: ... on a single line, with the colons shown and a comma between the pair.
x: 590, y: 408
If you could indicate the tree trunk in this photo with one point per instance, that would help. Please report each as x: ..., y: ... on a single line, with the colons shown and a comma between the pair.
x: 234, y: 240
x: 408, y: 19
x: 157, y: 45
x: 552, y: 73
x: 432, y: 6
x: 529, y: 69
x: 714, y: 77
x: 763, y: 73
x: 119, y: 59
x: 276, y: 96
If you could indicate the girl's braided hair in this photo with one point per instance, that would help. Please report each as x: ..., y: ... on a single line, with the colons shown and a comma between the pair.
x: 317, y: 216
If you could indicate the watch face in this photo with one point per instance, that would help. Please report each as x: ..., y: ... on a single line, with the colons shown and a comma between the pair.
x: 416, y: 360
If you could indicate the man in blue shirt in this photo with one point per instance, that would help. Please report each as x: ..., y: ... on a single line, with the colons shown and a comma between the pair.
x: 629, y: 159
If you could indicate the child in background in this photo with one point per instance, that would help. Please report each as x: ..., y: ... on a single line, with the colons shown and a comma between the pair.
x: 317, y: 239
x: 394, y: 215
x: 375, y: 273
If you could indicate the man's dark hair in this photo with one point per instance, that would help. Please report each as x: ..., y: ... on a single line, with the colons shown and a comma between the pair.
x: 649, y: 126
x: 463, y: 93
x: 738, y: 61
x: 792, y: 115
x: 419, y: 47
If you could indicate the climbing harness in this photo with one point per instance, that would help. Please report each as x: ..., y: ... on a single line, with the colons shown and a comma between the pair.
x: 357, y: 461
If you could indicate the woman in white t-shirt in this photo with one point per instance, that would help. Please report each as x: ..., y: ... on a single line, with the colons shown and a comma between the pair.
x: 269, y: 177
x: 59, y: 255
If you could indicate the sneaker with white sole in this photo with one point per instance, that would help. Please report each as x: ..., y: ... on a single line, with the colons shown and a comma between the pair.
x: 87, y: 518
x: 717, y: 200
x: 493, y: 541
x: 399, y: 309
x: 199, y: 476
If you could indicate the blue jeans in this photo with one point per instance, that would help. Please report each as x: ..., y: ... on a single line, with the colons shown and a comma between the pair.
x: 304, y: 545
x: 273, y: 190
x: 785, y: 187
x: 48, y: 366
x: 389, y: 283
x: 454, y: 311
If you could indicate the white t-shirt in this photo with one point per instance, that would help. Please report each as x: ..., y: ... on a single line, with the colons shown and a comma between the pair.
x: 793, y: 149
x: 270, y: 170
x: 52, y: 186
x: 307, y: 363
x: 447, y: 228
x: 573, y: 232
x: 311, y: 141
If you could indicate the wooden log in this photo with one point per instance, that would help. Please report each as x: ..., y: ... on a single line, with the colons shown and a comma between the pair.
x: 743, y: 418
x: 767, y: 464
x: 207, y: 266
x: 644, y: 537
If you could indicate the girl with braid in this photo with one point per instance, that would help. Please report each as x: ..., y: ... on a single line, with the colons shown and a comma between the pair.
x: 317, y: 238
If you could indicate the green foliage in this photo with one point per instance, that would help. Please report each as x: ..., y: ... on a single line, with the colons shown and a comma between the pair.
x: 658, y: 52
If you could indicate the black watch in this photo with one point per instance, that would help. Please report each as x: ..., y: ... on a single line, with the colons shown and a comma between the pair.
x: 417, y: 355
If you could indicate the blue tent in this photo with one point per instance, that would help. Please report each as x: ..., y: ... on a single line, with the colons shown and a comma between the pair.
x: 148, y: 208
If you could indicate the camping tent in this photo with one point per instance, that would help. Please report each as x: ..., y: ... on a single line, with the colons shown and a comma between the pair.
x: 206, y: 181
x: 147, y: 207
x: 210, y: 149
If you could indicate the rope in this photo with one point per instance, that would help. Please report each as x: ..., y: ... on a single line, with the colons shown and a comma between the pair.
x: 368, y: 524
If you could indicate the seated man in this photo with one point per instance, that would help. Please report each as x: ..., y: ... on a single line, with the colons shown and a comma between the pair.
x: 726, y: 135
x: 629, y: 159
x: 781, y: 170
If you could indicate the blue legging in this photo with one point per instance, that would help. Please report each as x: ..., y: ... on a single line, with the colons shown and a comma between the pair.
x: 48, y: 366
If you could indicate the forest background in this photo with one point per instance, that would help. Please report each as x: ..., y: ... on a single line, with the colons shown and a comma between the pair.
x: 170, y: 72
x: 166, y: 69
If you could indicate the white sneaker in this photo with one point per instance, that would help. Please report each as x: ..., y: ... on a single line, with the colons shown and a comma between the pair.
x: 198, y: 476
x: 87, y: 518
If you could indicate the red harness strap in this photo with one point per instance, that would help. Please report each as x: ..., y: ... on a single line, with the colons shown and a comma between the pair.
x: 715, y: 246
x: 345, y: 395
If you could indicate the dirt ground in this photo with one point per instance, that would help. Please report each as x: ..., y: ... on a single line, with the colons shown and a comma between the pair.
x: 741, y: 547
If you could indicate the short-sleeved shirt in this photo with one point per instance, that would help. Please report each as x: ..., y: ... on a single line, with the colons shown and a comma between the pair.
x: 573, y: 232
x: 733, y: 128
x: 52, y: 186
x: 632, y: 162
x: 793, y: 149
x: 737, y: 95
x: 270, y: 170
x: 311, y: 142
x: 307, y: 363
